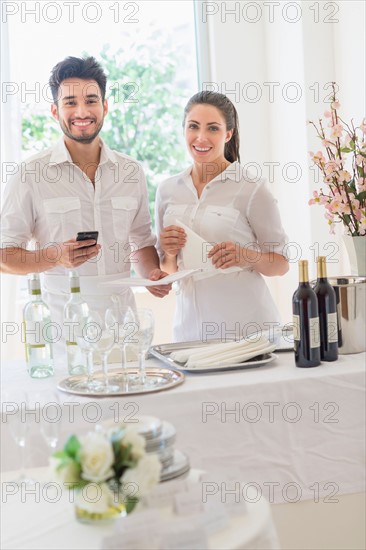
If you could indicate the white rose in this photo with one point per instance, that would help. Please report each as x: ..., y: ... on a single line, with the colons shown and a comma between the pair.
x: 145, y: 476
x: 69, y: 473
x: 95, y: 498
x: 133, y: 438
x: 96, y: 457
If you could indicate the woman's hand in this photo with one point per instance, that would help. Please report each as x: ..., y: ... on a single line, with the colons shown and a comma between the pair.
x: 172, y: 239
x: 227, y: 254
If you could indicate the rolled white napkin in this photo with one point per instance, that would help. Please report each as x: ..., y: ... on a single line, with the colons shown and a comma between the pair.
x: 226, y: 353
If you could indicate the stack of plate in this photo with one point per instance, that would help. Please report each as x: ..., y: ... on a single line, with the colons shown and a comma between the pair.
x: 160, y: 438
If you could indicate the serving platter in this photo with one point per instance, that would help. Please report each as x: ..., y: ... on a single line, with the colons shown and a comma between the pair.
x: 157, y: 378
x: 163, y: 352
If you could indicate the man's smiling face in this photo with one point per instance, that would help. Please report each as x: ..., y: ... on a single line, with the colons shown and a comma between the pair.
x: 80, y: 109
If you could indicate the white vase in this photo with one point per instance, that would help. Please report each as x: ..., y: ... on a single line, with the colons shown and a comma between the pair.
x: 356, y: 249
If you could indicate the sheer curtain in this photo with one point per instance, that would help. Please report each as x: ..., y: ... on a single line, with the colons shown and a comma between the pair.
x: 276, y: 60
x: 10, y: 159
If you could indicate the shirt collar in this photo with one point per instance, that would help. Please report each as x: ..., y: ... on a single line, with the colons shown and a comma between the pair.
x: 232, y: 172
x: 61, y: 154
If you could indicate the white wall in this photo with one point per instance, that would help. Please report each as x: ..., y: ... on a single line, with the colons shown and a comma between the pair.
x: 312, y: 51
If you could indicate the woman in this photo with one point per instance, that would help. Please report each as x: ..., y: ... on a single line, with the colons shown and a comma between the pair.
x: 214, y: 199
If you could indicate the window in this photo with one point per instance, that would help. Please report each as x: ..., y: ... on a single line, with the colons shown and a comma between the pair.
x: 148, y: 50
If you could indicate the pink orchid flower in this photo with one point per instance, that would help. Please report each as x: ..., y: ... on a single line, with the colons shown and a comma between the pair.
x: 328, y: 143
x: 344, y: 176
x: 337, y: 131
x: 335, y: 105
x: 361, y: 184
x: 330, y: 167
x: 347, y: 141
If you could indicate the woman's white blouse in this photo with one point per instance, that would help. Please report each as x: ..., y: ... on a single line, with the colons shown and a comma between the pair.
x: 231, y: 208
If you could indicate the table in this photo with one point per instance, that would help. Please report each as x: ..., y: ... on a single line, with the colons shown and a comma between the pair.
x: 295, y: 434
x: 31, y: 521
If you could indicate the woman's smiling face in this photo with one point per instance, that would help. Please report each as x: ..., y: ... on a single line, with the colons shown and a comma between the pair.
x: 206, y: 134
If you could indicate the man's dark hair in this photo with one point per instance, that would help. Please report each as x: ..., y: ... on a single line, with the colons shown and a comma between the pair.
x: 74, y: 67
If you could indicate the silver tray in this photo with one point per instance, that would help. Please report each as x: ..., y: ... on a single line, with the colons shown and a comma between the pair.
x: 163, y: 352
x: 165, y: 378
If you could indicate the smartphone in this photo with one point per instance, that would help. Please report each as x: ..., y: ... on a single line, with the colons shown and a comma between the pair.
x: 87, y: 235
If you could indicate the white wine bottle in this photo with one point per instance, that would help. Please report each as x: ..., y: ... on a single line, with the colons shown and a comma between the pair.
x: 37, y: 332
x: 75, y: 312
x: 306, y: 321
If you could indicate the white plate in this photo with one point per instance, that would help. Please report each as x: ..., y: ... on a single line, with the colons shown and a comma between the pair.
x: 163, y: 352
x: 252, y: 363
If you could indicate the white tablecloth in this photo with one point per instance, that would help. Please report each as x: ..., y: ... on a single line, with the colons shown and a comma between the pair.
x: 295, y: 433
x: 30, y: 521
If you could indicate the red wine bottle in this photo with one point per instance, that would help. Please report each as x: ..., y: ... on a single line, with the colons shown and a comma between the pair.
x: 306, y: 321
x: 327, y: 306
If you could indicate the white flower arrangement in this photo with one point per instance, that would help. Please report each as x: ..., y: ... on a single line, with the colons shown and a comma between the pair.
x: 115, y: 462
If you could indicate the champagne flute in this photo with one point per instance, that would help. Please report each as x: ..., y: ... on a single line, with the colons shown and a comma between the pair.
x: 50, y: 422
x: 86, y: 338
x: 14, y: 409
x: 103, y: 345
x: 121, y: 319
x: 142, y: 338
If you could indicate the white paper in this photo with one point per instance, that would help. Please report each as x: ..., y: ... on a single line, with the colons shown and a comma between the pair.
x: 139, y: 281
x: 163, y: 494
x: 189, y: 503
x: 194, y: 253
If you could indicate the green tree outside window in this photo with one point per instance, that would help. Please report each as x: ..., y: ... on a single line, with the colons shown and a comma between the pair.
x: 146, y: 99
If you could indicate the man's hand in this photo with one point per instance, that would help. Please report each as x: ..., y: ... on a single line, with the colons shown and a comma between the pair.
x: 161, y: 290
x: 172, y: 239
x: 73, y: 253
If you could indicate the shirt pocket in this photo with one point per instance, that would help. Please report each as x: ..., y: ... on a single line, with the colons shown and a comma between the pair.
x: 63, y: 217
x: 123, y: 212
x: 218, y: 223
x: 174, y: 213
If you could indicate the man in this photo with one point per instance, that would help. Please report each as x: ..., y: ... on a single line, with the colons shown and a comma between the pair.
x: 79, y: 185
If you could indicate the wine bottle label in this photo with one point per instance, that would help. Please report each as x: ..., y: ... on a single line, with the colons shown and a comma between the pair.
x: 339, y: 314
x: 296, y: 327
x: 332, y: 328
x: 314, y: 332
x: 34, y: 333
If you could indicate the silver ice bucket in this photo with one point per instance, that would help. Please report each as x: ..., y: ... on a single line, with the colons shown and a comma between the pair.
x: 351, y: 308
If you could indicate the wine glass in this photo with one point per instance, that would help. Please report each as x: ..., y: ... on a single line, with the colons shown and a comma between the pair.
x: 141, y: 341
x: 50, y: 421
x: 86, y: 339
x: 15, y: 405
x: 103, y: 344
x: 121, y: 320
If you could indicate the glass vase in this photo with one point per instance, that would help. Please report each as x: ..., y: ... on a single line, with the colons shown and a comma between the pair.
x: 98, y: 504
x: 356, y: 249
